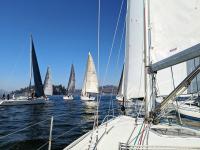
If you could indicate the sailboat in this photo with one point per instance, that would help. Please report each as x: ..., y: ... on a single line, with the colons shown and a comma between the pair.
x: 119, y: 96
x: 48, y: 87
x: 90, y: 83
x: 70, y: 86
x: 161, y: 18
x: 37, y: 95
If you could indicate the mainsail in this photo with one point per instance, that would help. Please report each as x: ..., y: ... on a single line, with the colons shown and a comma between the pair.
x: 120, y: 86
x: 174, y: 27
x: 71, y: 82
x: 36, y: 73
x: 90, y: 84
x: 134, y: 51
x: 48, y: 87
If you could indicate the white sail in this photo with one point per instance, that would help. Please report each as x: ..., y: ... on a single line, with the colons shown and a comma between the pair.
x: 90, y: 84
x: 48, y: 87
x: 174, y: 27
x: 134, y: 52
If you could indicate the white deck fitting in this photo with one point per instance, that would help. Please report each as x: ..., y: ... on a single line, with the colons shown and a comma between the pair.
x: 85, y: 98
x: 68, y: 97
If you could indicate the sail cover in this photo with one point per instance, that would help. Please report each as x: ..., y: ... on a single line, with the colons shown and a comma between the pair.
x: 36, y: 73
x: 48, y: 87
x: 134, y: 51
x: 71, y: 82
x: 120, y: 87
x: 90, y: 83
x: 174, y: 27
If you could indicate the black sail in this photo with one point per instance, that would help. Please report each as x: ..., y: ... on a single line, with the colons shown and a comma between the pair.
x: 120, y: 83
x: 71, y: 82
x: 36, y: 73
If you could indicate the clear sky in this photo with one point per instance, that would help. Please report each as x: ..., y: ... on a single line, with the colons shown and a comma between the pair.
x: 64, y: 31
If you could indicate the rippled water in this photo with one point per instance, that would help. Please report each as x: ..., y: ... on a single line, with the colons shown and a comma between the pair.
x: 71, y: 120
x: 67, y: 115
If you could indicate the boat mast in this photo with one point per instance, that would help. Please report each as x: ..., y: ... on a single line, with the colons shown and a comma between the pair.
x: 30, y: 63
x: 147, y: 76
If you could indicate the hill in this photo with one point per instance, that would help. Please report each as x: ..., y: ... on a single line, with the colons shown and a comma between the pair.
x: 60, y: 90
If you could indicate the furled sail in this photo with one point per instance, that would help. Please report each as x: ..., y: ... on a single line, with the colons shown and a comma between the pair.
x: 174, y: 27
x: 134, y: 51
x: 48, y: 87
x: 71, y: 82
x: 90, y: 84
x: 120, y: 86
x: 36, y: 73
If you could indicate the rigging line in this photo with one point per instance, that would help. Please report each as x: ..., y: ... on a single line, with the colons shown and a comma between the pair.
x: 179, y: 116
x: 22, y: 129
x: 96, y: 118
x: 58, y: 136
x: 118, y: 55
x: 99, y: 15
x: 42, y: 145
x: 113, y: 41
x: 117, y: 62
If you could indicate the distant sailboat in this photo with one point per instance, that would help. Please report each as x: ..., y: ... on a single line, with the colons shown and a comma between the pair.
x: 71, y: 85
x: 90, y: 84
x: 119, y: 96
x: 37, y: 96
x: 48, y: 87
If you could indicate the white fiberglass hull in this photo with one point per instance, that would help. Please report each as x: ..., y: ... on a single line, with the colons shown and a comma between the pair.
x: 23, y: 102
x: 123, y: 133
x: 68, y: 97
x: 86, y: 98
x: 119, y: 98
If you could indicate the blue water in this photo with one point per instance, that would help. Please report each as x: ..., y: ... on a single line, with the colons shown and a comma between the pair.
x: 71, y: 120
x: 75, y: 116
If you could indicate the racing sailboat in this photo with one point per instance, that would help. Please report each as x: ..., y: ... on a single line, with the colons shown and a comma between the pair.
x: 70, y: 86
x: 36, y: 95
x: 90, y: 83
x: 48, y: 87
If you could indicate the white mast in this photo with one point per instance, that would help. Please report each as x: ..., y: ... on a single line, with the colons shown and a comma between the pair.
x: 30, y: 63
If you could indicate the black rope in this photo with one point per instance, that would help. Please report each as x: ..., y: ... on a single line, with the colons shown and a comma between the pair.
x: 123, y: 109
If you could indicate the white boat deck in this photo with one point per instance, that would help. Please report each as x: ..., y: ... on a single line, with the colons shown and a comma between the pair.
x: 123, y: 129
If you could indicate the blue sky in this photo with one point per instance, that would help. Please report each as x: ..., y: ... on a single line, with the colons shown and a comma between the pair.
x: 64, y: 31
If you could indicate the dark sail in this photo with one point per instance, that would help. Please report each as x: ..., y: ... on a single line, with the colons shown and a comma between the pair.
x: 71, y: 82
x: 36, y: 73
x: 120, y: 83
